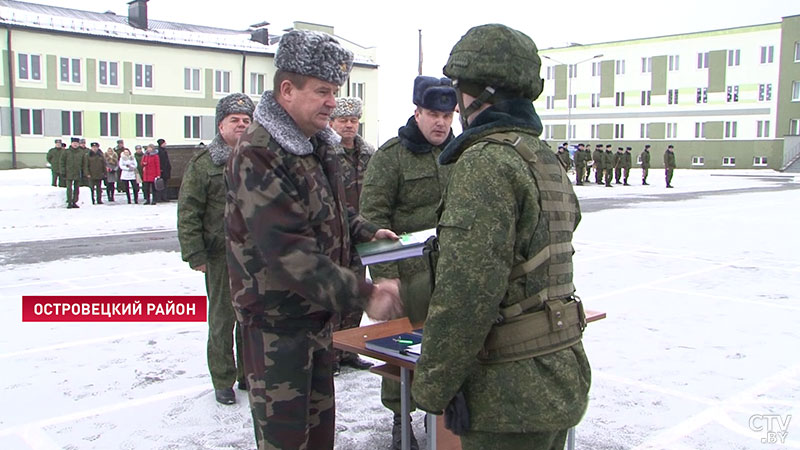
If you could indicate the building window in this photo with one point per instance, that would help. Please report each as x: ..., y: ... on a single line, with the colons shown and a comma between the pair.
x: 620, y: 97
x: 109, y: 124
x: 257, y: 83
x: 672, y: 130
x: 698, y: 161
x: 797, y: 51
x: 70, y: 70
x: 222, y: 82
x: 702, y: 95
x: 765, y: 92
x: 596, y: 69
x: 191, y: 127
x: 733, y: 57
x: 762, y: 128
x: 572, y: 133
x: 191, y: 79
x: 107, y: 73
x: 548, y: 131
x: 730, y: 129
x: 29, y: 67
x: 767, y: 54
x: 620, y: 67
x: 573, y: 101
x: 673, y: 62
x: 760, y: 161
x: 71, y: 123
x: 358, y: 90
x: 143, y: 75
x: 699, y: 129
x: 595, y: 100
x: 728, y: 161
x: 646, y: 98
x: 794, y: 127
x: 595, y: 131
x: 733, y: 94
x: 572, y: 71
x: 550, y: 102
x: 647, y: 65
x: 644, y: 131
x: 619, y: 131
x: 30, y: 122
x: 672, y: 97
x: 144, y: 125
x: 549, y: 72
x: 796, y: 91
x: 702, y: 60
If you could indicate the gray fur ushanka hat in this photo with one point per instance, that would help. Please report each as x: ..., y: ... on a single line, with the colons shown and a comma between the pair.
x: 314, y: 54
x: 234, y: 104
x: 347, y: 107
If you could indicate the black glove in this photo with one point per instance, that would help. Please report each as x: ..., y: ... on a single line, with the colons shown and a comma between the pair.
x: 456, y: 415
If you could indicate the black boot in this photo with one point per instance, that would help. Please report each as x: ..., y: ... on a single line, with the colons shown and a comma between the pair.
x: 397, y: 434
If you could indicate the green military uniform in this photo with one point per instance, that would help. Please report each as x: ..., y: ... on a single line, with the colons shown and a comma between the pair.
x: 669, y: 165
x: 580, y: 166
x: 97, y: 172
x: 74, y: 166
x: 645, y: 157
x: 626, y: 165
x: 201, y: 207
x: 608, y: 165
x: 597, y: 162
x: 507, y: 202
x: 564, y: 159
x: 53, y: 157
x: 402, y: 188
x: 618, y: 166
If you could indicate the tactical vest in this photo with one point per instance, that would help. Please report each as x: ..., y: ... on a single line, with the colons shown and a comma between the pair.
x: 519, y: 333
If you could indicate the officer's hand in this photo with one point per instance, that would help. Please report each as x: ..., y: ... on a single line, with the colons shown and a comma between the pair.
x: 200, y: 268
x: 385, y: 233
x: 385, y: 302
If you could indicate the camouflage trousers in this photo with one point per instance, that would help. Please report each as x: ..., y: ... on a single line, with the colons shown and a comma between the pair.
x: 54, y: 175
x: 645, y: 170
x: 345, y: 321
x: 290, y: 378
x: 549, y: 440
x: 580, y: 173
x: 73, y: 190
x: 222, y: 326
x: 668, y: 175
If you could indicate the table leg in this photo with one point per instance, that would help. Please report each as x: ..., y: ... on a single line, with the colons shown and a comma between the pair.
x: 571, y: 439
x: 405, y: 407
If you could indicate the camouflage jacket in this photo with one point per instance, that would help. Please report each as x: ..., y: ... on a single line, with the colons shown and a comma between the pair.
x: 618, y: 160
x: 608, y: 160
x: 564, y: 159
x: 53, y: 157
x: 402, y: 189
x: 490, y: 221
x: 579, y: 158
x: 597, y: 157
x: 97, y: 165
x: 626, y: 160
x: 353, y: 163
x: 74, y: 163
x: 288, y: 232
x: 201, y: 205
x: 645, y: 156
x: 669, y: 160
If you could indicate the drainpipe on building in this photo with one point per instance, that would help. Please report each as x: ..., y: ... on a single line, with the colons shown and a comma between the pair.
x: 244, y: 65
x: 11, y: 100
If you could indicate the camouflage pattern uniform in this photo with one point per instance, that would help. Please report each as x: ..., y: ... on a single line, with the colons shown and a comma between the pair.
x: 669, y: 165
x: 618, y: 166
x: 402, y: 188
x: 645, y: 156
x: 53, y: 156
x: 564, y: 159
x: 492, y: 218
x: 597, y: 158
x: 608, y: 165
x: 201, y: 209
x: 96, y: 173
x: 580, y: 166
x: 74, y: 167
x: 626, y: 165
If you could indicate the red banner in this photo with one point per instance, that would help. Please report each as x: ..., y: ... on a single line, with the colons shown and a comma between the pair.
x: 88, y: 308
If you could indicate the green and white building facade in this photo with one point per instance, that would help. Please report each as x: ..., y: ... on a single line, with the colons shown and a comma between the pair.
x: 724, y: 98
x: 105, y: 77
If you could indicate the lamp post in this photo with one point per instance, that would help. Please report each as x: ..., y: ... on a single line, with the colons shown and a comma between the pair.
x: 569, y: 91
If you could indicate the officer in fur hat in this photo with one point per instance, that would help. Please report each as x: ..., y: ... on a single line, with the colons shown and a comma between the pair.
x: 490, y: 359
x: 402, y: 189
x: 354, y: 154
x: 289, y: 236
x: 201, y: 207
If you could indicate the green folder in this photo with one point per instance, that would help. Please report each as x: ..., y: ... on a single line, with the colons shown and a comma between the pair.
x: 410, y: 245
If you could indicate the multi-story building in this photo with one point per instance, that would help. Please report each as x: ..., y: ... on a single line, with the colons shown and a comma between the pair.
x: 103, y: 76
x: 724, y: 98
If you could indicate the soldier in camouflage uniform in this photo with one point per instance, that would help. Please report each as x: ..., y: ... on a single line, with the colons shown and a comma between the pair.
x: 669, y: 165
x: 53, y: 156
x: 608, y: 165
x: 563, y: 158
x: 402, y: 189
x: 201, y: 209
x: 580, y: 165
x: 626, y: 166
x: 288, y: 237
x: 597, y: 162
x: 74, y: 166
x: 645, y: 158
x: 505, y: 232
x: 354, y: 154
x: 618, y: 166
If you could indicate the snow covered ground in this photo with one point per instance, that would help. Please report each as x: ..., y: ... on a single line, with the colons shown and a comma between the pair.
x: 699, y: 350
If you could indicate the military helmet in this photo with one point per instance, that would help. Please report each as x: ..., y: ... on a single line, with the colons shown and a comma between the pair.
x: 497, y: 56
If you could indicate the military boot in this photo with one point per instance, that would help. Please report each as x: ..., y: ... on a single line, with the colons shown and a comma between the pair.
x: 397, y: 434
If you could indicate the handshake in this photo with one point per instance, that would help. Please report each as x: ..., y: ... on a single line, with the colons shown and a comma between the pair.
x: 385, y: 302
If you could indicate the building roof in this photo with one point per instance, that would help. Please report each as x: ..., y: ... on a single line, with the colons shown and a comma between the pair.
x: 111, y: 25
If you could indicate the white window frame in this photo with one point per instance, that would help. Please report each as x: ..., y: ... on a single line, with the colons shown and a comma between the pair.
x: 33, y: 72
x: 596, y: 69
x: 644, y: 131
x: 767, y: 54
x: 550, y: 102
x: 760, y: 161
x: 674, y: 63
x: 573, y: 101
x: 734, y: 57
x: 222, y: 82
x: 762, y: 128
x: 672, y: 130
x: 595, y: 100
x: 572, y: 71
x: 109, y: 121
x: 620, y: 98
x: 698, y: 161
x: 797, y: 51
x: 68, y: 126
x: 765, y: 92
x: 702, y: 95
x: 258, y: 83
x: 733, y: 94
x: 192, y: 79
x: 619, y: 131
x: 646, y: 95
x: 699, y: 130
x: 595, y: 131
x: 620, y: 67
x: 794, y: 127
x: 144, y: 125
x: 192, y: 127
x: 358, y: 90
x: 71, y: 71
x: 728, y: 161
x: 647, y: 64
x: 796, y: 91
x: 140, y: 76
x: 672, y: 96
x: 28, y: 118
x: 702, y: 60
x: 549, y: 75
x: 572, y: 131
x: 111, y: 73
x: 730, y: 129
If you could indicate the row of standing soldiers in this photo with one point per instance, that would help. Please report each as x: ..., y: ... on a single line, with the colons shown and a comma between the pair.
x: 606, y: 164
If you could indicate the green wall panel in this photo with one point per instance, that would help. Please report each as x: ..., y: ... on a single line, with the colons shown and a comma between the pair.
x: 607, y: 79
x: 713, y: 130
x: 659, y: 75
x: 561, y: 81
x: 658, y: 130
x: 717, y: 65
x: 605, y: 130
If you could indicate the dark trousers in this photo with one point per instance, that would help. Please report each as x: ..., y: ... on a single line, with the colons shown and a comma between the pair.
x: 668, y: 175
x: 110, y: 190
x: 97, y: 193
x: 626, y: 171
x: 645, y: 170
x: 73, y: 191
x: 124, y: 185
x: 162, y: 194
x: 580, y: 172
x: 148, y: 188
x: 54, y: 176
x: 617, y: 174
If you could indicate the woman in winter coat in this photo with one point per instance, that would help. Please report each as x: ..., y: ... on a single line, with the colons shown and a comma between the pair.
x: 151, y: 169
x: 128, y: 174
x: 112, y: 163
